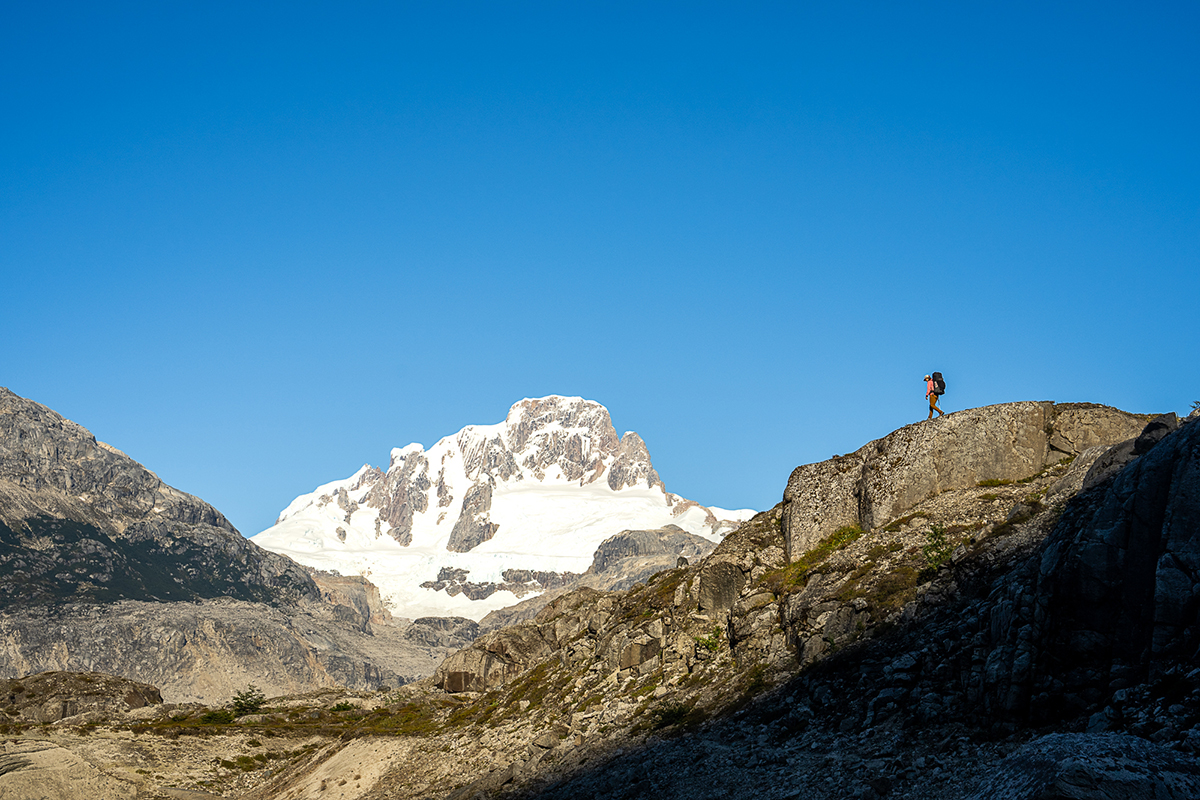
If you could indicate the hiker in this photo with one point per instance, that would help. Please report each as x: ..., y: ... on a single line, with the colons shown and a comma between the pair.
x: 933, y: 387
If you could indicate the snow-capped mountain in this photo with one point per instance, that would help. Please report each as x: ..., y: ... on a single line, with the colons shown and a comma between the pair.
x: 506, y: 503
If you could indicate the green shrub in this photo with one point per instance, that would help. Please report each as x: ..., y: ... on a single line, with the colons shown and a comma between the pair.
x: 220, y: 716
x: 790, y: 578
x: 938, y: 548
x: 711, y: 643
x: 248, y: 701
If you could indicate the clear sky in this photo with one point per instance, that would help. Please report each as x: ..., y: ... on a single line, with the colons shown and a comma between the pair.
x: 258, y: 245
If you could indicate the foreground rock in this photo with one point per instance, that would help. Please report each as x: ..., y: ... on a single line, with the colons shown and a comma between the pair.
x: 1095, y: 766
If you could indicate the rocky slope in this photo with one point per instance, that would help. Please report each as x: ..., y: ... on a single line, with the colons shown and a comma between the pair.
x: 81, y: 521
x: 444, y: 531
x: 104, y: 567
x: 1016, y: 639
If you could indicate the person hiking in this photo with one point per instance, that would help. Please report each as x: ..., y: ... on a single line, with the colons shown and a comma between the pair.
x: 931, y: 391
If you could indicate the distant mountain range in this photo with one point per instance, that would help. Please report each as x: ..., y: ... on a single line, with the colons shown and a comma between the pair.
x: 490, y: 513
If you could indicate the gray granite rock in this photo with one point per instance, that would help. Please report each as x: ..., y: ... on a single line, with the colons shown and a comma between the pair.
x: 885, y: 478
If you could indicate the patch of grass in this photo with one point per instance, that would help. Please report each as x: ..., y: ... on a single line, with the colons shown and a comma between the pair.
x: 588, y: 702
x: 791, y: 577
x: 852, y: 588
x: 881, y: 550
x: 673, y: 712
x: 994, y: 482
x: 529, y: 684
x: 989, y: 497
x: 894, y: 589
x: 663, y: 585
x: 410, y: 719
x: 755, y: 680
x: 343, y: 706
x: 648, y: 687
x: 246, y: 763
x: 895, y: 525
x: 219, y: 716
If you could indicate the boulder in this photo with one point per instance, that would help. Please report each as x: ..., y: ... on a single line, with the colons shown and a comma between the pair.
x: 494, y: 659
x: 1153, y: 433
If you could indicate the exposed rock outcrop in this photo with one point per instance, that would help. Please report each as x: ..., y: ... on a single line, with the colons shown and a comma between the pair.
x: 354, y: 598
x: 885, y: 478
x: 926, y: 657
x: 671, y: 542
x: 473, y: 526
x: 445, y: 632
x: 208, y: 651
x: 52, y: 696
x: 81, y: 521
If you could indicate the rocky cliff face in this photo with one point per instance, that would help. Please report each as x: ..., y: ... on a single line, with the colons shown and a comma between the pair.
x: 881, y: 480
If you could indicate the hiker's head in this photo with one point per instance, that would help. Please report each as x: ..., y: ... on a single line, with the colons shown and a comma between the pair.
x: 926, y: 377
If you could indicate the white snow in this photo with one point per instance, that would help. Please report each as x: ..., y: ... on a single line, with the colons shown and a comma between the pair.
x: 551, y: 524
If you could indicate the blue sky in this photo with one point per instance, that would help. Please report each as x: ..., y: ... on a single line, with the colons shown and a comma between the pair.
x: 257, y: 245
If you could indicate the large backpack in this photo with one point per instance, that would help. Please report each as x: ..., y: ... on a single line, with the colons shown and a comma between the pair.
x: 939, y: 385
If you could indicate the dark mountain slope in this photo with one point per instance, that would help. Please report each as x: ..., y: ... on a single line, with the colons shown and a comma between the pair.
x: 82, y: 522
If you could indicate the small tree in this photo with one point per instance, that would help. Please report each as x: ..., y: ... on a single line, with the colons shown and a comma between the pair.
x: 938, y: 548
x: 248, y: 701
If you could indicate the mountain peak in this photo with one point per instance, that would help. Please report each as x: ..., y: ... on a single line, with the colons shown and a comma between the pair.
x: 537, y: 491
